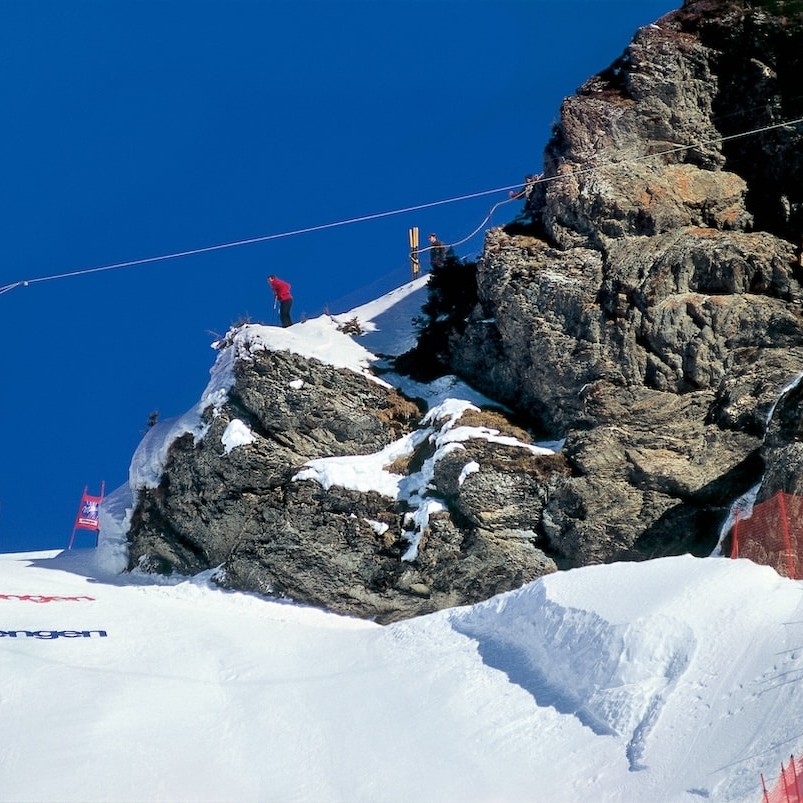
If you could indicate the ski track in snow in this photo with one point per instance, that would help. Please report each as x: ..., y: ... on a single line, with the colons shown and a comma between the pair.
x: 564, y: 667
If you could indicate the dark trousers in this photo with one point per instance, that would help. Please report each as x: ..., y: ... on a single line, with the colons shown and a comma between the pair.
x: 284, y: 312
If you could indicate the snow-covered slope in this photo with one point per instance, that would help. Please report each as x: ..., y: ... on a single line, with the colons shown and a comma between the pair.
x: 669, y: 680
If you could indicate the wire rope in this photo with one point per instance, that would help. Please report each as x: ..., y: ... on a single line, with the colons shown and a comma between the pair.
x: 392, y: 212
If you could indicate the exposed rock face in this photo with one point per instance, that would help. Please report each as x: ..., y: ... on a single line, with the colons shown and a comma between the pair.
x: 782, y: 450
x: 647, y: 303
x: 665, y: 131
x: 276, y: 529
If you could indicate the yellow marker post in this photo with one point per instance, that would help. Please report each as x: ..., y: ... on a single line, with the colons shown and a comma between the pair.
x: 415, y: 265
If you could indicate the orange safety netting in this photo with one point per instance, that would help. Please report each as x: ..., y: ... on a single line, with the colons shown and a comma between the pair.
x: 772, y: 535
x: 789, y: 786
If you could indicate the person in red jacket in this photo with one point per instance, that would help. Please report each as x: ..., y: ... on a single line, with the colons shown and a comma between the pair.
x: 281, y: 291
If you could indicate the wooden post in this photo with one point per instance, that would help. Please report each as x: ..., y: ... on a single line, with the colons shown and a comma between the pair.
x: 415, y: 264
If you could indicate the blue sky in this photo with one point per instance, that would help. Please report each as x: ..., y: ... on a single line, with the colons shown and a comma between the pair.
x: 136, y: 129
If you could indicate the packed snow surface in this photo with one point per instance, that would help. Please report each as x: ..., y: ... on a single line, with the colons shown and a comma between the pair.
x: 674, y: 679
x: 669, y: 680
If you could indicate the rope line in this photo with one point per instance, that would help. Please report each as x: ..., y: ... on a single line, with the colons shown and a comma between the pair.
x: 677, y: 148
x: 484, y: 221
x: 594, y: 168
x: 392, y: 212
x: 252, y: 240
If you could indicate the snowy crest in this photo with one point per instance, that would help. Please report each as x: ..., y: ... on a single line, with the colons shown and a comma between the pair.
x: 388, y: 322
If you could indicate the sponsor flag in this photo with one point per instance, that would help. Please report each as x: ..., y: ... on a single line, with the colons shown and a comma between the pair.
x: 88, y: 513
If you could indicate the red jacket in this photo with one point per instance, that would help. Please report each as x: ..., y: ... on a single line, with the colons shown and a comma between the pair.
x: 280, y: 289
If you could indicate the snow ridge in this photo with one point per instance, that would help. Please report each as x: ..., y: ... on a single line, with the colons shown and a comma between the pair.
x: 613, y: 677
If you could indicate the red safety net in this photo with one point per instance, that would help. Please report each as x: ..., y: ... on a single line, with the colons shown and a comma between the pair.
x: 772, y: 535
x: 789, y: 786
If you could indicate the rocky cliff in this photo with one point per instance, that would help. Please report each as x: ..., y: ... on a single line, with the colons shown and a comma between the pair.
x: 644, y: 306
x: 303, y: 478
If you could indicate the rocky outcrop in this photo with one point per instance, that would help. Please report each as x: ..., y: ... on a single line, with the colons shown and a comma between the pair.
x: 645, y: 307
x: 647, y: 304
x: 782, y: 450
x: 687, y: 128
x: 448, y: 517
